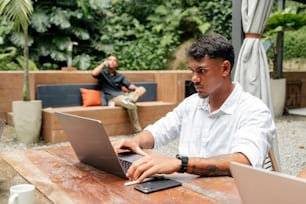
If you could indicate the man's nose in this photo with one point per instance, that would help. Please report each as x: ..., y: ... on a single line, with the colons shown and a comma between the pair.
x: 195, y: 78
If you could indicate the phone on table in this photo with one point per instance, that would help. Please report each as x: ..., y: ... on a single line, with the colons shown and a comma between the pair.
x: 157, y: 185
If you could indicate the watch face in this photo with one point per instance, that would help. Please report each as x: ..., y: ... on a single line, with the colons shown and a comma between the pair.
x: 178, y: 156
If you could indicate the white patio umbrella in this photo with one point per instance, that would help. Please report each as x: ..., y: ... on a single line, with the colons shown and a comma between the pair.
x: 252, y: 70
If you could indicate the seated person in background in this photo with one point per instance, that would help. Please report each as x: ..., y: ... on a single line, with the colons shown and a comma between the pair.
x: 118, y: 89
x: 217, y: 125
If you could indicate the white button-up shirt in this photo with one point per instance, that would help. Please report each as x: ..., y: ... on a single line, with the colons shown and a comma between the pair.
x: 242, y: 124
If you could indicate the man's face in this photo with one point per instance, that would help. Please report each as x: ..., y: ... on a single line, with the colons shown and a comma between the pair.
x: 208, y: 75
x: 112, y: 62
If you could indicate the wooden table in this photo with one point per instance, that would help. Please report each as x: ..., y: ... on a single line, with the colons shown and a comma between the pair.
x: 61, y: 178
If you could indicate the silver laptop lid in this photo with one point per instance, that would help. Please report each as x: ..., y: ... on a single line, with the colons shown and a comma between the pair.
x: 267, y: 187
x: 91, y: 143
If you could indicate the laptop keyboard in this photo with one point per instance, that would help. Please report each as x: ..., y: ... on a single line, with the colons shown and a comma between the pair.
x: 125, y: 164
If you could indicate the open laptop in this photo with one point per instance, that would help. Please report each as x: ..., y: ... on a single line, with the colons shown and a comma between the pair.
x: 93, y: 146
x: 259, y: 186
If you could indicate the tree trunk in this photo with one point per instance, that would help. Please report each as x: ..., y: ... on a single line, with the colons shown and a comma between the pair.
x: 26, y: 83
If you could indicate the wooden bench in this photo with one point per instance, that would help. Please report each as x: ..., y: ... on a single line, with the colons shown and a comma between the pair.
x: 67, y: 98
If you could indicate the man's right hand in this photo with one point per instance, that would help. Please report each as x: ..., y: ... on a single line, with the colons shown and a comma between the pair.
x: 105, y: 64
x: 127, y: 145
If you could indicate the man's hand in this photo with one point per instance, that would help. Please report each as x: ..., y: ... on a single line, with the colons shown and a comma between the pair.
x: 96, y: 71
x: 127, y: 145
x: 151, y: 165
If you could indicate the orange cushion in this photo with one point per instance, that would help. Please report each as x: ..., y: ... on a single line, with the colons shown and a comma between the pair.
x: 91, y: 97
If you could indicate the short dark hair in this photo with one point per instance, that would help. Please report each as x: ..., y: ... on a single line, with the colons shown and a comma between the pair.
x: 112, y: 55
x: 213, y: 46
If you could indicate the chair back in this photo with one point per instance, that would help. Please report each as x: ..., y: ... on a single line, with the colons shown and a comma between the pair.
x: 270, y: 162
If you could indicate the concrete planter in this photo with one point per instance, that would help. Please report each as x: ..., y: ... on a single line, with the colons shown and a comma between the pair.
x: 27, y: 116
x: 278, y: 93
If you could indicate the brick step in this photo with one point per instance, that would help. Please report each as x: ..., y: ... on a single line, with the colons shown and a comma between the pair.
x: 114, y: 119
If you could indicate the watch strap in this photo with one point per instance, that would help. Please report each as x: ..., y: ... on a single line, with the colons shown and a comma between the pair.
x: 184, y: 164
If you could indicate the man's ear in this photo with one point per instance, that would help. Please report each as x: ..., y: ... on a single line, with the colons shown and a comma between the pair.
x: 226, y: 67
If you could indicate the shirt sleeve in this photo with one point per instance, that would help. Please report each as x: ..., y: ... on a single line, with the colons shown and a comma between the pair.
x: 255, y: 135
x: 168, y: 127
x: 125, y: 81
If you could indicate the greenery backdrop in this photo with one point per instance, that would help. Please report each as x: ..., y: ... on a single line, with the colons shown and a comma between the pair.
x: 143, y: 33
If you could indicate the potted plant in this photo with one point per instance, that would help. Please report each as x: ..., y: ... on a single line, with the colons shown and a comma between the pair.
x: 279, y: 22
x: 26, y: 113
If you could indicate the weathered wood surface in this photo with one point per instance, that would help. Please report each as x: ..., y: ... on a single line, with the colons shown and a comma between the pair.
x: 57, y: 173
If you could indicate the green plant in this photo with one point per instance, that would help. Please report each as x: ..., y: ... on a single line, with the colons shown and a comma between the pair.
x: 19, y: 12
x: 63, y: 22
x: 294, y: 44
x: 281, y: 21
x: 219, y: 14
x: 9, y: 60
x: 133, y: 29
x: 148, y: 46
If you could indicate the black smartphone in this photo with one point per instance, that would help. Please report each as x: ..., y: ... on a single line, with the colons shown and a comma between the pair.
x: 157, y: 185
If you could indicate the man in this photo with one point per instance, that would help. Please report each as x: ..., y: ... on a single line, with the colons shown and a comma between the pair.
x: 118, y: 89
x: 219, y: 124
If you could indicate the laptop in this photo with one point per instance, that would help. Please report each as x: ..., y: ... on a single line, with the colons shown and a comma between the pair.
x: 267, y: 187
x: 93, y: 146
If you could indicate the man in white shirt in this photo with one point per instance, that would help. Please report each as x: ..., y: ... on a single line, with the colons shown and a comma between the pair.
x: 219, y: 124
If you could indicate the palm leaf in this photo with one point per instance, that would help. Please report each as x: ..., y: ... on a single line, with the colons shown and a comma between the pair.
x: 17, y: 11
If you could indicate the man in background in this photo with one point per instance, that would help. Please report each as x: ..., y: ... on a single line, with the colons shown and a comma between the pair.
x: 118, y: 89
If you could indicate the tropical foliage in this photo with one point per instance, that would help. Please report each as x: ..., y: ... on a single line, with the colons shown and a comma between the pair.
x: 18, y: 12
x: 142, y: 33
x: 290, y: 19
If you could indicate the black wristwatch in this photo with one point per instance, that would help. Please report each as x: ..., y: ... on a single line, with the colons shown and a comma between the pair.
x: 184, y: 165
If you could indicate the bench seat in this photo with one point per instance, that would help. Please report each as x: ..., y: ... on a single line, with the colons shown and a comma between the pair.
x: 114, y: 119
x: 67, y: 95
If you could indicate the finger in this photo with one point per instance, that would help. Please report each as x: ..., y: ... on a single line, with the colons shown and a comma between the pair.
x: 138, y: 150
x: 139, y: 168
x: 132, y: 169
x: 120, y: 147
x: 148, y: 173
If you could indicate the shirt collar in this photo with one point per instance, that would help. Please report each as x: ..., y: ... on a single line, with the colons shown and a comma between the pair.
x: 106, y: 71
x: 229, y: 104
